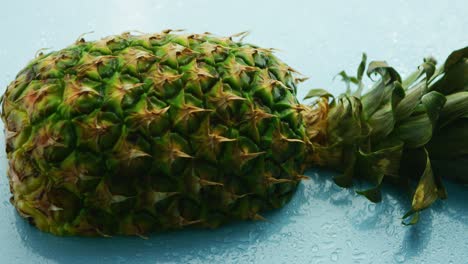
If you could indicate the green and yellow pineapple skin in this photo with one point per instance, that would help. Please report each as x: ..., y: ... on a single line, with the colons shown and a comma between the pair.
x: 134, y: 134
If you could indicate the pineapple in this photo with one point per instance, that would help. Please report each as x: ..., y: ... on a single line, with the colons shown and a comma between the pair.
x: 139, y: 133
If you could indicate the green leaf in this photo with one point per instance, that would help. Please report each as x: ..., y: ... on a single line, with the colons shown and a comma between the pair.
x: 372, y: 194
x: 385, y: 160
x: 417, y: 130
x: 455, y: 77
x: 433, y: 102
x: 318, y: 93
x: 428, y: 67
x: 375, y: 165
x: 344, y: 121
x: 455, y: 57
x: 375, y: 98
x: 455, y: 107
x: 450, y: 142
x: 347, y: 80
x: 383, y: 90
x: 413, y: 97
x: 427, y: 190
x: 383, y: 120
x: 362, y: 67
x: 437, y: 74
x: 349, y: 160
x: 414, y: 219
x: 360, y: 74
x: 452, y: 168
x: 388, y: 74
x: 413, y: 77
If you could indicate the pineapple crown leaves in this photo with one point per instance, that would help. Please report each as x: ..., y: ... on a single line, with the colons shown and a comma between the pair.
x: 395, y: 117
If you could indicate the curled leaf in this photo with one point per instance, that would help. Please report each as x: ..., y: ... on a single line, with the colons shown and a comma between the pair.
x: 318, y: 93
x: 428, y: 190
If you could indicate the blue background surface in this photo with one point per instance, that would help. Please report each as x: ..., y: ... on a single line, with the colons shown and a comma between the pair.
x: 323, y: 223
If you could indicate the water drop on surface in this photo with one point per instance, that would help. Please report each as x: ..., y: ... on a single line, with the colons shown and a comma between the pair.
x: 315, y: 248
x: 253, y: 236
x: 358, y: 256
x: 390, y: 230
x: 334, y: 256
x: 213, y: 250
x: 399, y: 258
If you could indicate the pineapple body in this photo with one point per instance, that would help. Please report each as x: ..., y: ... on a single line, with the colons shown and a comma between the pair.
x: 134, y: 134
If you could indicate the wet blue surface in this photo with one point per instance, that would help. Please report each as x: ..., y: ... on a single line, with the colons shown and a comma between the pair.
x: 323, y: 223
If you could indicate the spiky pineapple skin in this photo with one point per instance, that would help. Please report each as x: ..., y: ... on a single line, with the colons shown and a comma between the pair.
x: 135, y: 134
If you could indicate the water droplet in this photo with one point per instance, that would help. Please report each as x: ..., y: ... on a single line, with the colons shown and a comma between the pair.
x: 359, y: 256
x: 399, y: 258
x: 253, y: 236
x: 390, y: 230
x: 212, y: 250
x: 315, y: 248
x: 371, y: 208
x: 334, y: 256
